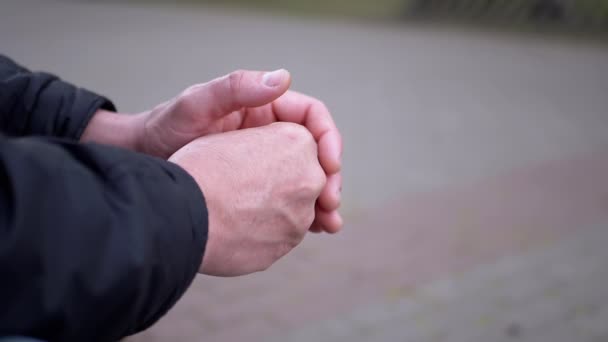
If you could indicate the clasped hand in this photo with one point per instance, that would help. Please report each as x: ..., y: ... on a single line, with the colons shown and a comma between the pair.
x: 271, y: 175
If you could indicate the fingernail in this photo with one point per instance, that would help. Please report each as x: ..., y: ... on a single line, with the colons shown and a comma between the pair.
x: 274, y: 78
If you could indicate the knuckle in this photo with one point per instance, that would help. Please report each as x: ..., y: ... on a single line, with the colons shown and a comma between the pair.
x: 310, y: 182
x: 186, y: 101
x: 294, y: 132
x: 321, y: 178
x: 234, y: 81
x: 310, y: 187
x: 320, y: 105
x: 315, y: 179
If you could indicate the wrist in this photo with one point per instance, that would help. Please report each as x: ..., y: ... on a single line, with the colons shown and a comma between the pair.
x: 116, y: 129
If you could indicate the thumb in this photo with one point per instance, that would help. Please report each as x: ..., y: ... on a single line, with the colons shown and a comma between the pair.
x: 241, y: 88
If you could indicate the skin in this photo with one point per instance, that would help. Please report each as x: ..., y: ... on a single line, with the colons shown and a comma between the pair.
x: 263, y: 210
x: 240, y: 100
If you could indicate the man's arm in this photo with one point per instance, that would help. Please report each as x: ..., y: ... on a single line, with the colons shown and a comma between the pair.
x: 38, y: 103
x: 96, y: 243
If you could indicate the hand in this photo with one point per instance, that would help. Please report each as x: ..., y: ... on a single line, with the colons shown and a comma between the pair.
x: 260, y: 187
x: 242, y: 99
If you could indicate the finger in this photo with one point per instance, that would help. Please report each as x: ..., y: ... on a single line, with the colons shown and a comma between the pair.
x: 234, y: 91
x: 315, y: 229
x: 330, y: 151
x: 330, y: 221
x: 258, y: 116
x: 314, y: 115
x: 329, y: 199
x: 230, y: 122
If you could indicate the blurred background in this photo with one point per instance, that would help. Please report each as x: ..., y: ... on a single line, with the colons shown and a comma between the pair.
x: 476, y: 161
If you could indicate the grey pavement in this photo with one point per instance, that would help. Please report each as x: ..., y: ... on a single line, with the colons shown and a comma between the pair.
x: 475, y: 167
x: 557, y: 293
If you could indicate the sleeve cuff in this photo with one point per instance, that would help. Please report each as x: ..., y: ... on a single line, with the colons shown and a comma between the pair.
x: 199, y: 217
x: 194, y: 241
x: 92, y: 103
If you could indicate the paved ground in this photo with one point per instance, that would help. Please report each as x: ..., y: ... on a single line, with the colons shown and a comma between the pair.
x: 475, y: 192
x: 554, y: 294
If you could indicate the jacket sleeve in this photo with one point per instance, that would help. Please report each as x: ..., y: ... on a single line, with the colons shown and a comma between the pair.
x: 38, y: 103
x: 96, y: 243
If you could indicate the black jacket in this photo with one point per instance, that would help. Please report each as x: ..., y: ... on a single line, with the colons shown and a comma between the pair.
x: 96, y: 242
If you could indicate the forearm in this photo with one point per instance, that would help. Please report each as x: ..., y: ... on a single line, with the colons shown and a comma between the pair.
x: 115, y: 129
x: 97, y: 243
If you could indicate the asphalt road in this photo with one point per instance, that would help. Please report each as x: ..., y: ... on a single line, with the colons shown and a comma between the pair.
x: 462, y: 149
